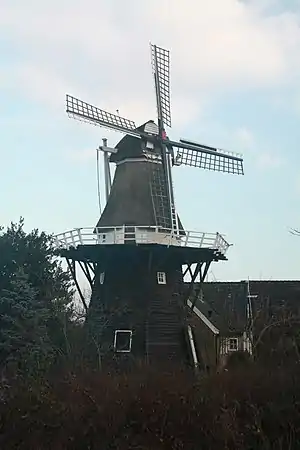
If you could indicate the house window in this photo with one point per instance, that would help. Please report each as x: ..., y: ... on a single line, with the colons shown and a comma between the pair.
x: 233, y: 344
x: 102, y: 274
x: 161, y: 278
x: 122, y: 341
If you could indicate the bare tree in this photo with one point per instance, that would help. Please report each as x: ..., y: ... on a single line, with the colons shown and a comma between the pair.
x: 275, y: 328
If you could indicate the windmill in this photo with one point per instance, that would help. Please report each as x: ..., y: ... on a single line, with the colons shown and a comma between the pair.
x: 144, y: 280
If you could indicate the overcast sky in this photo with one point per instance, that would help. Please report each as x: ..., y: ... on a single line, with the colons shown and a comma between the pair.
x: 235, y: 84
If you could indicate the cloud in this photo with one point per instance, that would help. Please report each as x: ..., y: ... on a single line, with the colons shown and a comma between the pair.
x: 97, y: 50
x: 244, y: 137
x: 263, y: 159
x: 36, y: 84
x: 268, y: 160
x: 297, y: 185
x: 81, y: 156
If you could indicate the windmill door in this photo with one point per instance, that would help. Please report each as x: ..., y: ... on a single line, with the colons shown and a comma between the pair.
x: 129, y: 234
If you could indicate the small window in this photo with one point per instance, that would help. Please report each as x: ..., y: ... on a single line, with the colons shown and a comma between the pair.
x: 122, y: 341
x: 161, y: 278
x: 102, y: 274
x: 233, y: 344
x: 103, y: 238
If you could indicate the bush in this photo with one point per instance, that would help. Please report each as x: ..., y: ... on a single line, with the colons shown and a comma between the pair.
x: 238, y: 409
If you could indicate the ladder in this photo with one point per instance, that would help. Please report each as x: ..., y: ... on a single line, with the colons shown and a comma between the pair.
x: 174, y: 219
x: 159, y: 194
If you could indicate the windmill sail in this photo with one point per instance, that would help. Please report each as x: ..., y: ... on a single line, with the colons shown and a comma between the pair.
x: 205, y: 157
x: 84, y: 111
x: 160, y: 59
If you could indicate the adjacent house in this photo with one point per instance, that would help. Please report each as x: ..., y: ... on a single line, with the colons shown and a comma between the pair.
x: 223, y: 317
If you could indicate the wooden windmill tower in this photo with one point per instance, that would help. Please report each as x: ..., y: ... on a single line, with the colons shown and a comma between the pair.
x: 134, y: 257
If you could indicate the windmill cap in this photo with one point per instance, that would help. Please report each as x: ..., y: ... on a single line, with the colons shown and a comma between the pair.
x: 130, y: 146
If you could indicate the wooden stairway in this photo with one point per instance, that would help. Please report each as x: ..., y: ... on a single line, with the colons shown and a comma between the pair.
x: 164, y: 327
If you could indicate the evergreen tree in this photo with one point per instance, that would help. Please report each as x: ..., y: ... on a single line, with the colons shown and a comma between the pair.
x: 24, y: 337
x: 36, y: 298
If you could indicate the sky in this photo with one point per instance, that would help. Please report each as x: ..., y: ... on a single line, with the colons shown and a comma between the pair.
x: 235, y: 71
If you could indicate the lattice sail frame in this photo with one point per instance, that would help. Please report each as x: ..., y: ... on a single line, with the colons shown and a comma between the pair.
x: 188, y: 153
x: 160, y: 59
x: 84, y: 111
x: 217, y: 162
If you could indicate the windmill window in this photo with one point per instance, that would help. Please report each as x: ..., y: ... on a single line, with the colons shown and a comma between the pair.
x: 161, y: 278
x: 233, y: 344
x: 103, y: 238
x: 102, y: 275
x: 123, y: 341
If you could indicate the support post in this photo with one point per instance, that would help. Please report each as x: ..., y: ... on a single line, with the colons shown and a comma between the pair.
x: 85, y: 269
x: 72, y: 268
x: 202, y: 278
x: 193, y: 278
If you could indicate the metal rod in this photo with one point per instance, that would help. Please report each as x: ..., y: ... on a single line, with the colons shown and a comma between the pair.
x: 98, y: 182
x: 107, y: 176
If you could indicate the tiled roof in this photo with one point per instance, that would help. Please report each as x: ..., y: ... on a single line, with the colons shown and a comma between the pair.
x: 225, y: 303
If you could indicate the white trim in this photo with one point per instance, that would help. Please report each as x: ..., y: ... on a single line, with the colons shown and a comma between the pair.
x: 151, y: 128
x: 130, y: 341
x: 146, y: 158
x: 101, y: 277
x: 147, y: 235
x: 247, y: 342
x: 161, y: 278
x: 102, y: 237
x: 236, y: 344
x: 203, y: 318
x: 193, y: 348
x: 225, y: 345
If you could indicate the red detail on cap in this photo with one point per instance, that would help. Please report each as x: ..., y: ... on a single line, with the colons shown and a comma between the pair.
x: 163, y: 134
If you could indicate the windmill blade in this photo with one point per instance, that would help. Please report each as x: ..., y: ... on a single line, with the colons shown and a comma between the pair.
x: 160, y: 59
x: 205, y: 157
x: 84, y: 111
x: 295, y: 232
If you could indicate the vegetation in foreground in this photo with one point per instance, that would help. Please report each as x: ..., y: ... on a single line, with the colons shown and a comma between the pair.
x: 234, y: 410
x: 53, y: 397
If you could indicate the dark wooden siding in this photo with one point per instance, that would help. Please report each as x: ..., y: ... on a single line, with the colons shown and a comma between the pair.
x: 131, y: 298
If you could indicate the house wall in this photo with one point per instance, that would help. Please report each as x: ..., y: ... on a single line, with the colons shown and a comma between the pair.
x: 229, y: 345
x: 214, y: 350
